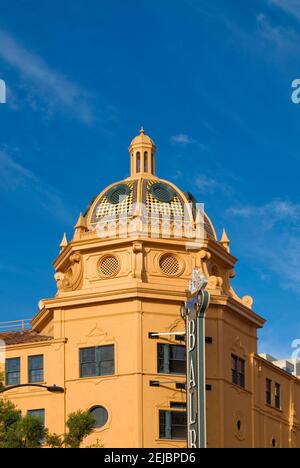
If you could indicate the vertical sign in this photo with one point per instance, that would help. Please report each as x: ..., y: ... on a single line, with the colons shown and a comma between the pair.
x: 194, y: 311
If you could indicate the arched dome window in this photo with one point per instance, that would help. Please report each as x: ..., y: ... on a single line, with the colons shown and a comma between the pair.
x: 138, y: 162
x: 146, y: 163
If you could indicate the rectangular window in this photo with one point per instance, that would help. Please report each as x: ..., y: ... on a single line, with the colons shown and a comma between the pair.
x: 35, y: 369
x: 38, y: 414
x: 238, y: 371
x: 171, y: 359
x: 268, y: 391
x: 277, y: 396
x: 97, y: 361
x: 12, y: 371
x: 172, y: 425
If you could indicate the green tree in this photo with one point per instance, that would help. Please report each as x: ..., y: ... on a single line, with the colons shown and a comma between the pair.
x: 80, y: 424
x: 17, y: 431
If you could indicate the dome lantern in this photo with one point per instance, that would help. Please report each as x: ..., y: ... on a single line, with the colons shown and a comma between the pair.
x: 142, y: 155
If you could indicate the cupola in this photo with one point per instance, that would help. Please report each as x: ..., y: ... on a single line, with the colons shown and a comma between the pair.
x: 142, y: 155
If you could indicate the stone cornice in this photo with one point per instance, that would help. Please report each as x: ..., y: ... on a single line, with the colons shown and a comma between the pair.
x: 140, y: 291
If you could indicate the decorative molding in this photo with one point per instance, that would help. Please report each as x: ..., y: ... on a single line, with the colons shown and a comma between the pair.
x: 71, y: 279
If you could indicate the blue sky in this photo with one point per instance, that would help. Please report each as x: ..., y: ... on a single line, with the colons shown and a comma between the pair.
x: 210, y: 82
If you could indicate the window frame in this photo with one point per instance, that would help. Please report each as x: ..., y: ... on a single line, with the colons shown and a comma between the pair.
x: 170, y: 413
x: 97, y: 362
x: 238, y: 371
x: 277, y: 397
x: 40, y: 369
x: 36, y: 411
x: 268, y: 391
x: 18, y: 381
x: 165, y: 368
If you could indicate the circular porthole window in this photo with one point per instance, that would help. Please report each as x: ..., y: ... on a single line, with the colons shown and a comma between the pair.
x: 118, y: 193
x: 162, y: 192
x: 169, y: 264
x: 108, y: 266
x: 101, y: 416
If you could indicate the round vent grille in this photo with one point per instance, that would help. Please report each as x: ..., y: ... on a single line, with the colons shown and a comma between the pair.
x: 169, y: 264
x: 118, y: 193
x: 108, y: 266
x: 162, y: 192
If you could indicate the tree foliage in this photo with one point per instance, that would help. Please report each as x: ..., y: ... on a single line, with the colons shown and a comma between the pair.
x: 80, y: 424
x: 17, y: 431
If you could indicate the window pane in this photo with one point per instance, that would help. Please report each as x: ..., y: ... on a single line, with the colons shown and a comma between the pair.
x: 87, y: 355
x: 107, y: 368
x: 39, y: 414
x: 13, y: 371
x: 107, y: 353
x: 88, y: 370
x: 177, y: 352
x: 97, y: 361
x: 171, y: 359
x: 238, y: 371
x: 277, y: 396
x: 177, y: 367
x: 234, y: 362
x: 172, y: 425
x: 101, y: 416
x: 35, y: 369
x: 179, y: 425
x: 162, y: 424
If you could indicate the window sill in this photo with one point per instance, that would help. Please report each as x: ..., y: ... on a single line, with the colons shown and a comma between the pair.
x: 168, y: 374
x: 239, y: 387
x: 37, y: 383
x: 273, y: 408
x: 171, y: 440
x: 97, y: 377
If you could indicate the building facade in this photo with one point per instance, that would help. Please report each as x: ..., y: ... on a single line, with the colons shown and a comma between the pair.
x: 114, y: 328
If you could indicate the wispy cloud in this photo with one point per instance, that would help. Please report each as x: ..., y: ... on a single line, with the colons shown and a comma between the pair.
x: 15, y: 177
x: 182, y: 139
x: 42, y: 83
x: 270, y: 214
x: 289, y: 6
x: 285, y: 39
x: 209, y: 185
x: 272, y: 233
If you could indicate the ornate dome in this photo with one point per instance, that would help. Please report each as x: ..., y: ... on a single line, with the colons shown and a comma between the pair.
x: 145, y: 196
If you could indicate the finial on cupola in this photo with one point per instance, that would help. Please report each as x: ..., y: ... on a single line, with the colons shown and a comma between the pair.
x: 225, y: 242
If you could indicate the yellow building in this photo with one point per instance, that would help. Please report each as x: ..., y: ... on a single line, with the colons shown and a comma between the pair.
x: 121, y: 279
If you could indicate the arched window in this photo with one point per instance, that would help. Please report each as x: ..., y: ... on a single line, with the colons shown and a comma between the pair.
x: 146, y: 163
x: 101, y: 416
x: 138, y: 162
x: 152, y: 163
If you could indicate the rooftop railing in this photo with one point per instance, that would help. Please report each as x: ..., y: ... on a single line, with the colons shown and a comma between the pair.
x: 15, y: 325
